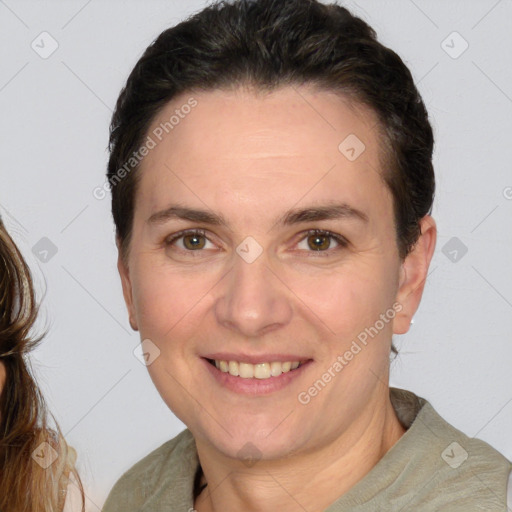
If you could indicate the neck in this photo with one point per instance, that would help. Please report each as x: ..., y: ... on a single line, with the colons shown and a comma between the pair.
x: 309, y: 481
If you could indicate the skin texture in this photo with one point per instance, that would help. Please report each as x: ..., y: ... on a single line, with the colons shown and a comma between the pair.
x: 252, y: 157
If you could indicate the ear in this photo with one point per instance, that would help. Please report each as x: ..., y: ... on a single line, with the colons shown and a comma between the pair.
x: 413, y: 275
x: 124, y: 273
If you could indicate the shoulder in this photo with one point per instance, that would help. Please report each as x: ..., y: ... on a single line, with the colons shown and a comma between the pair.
x: 73, y: 496
x: 465, y: 471
x: 432, y: 429
x: 461, y: 447
x: 437, y: 465
x: 155, y: 474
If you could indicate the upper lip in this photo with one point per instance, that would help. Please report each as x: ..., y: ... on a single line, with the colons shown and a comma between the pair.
x: 256, y: 358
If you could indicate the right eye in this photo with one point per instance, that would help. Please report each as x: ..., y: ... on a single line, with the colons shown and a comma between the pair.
x: 190, y: 240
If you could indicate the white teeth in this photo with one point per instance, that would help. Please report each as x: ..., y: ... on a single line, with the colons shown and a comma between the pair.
x: 246, y: 370
x: 233, y: 368
x: 258, y: 371
x: 262, y: 370
x: 275, y: 368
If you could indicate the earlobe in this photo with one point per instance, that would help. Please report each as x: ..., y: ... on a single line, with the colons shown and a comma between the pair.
x: 124, y: 273
x: 413, y: 275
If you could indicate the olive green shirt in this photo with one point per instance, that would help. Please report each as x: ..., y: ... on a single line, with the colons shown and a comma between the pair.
x: 432, y: 467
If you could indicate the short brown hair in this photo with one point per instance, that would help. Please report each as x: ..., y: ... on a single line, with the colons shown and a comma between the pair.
x: 267, y: 44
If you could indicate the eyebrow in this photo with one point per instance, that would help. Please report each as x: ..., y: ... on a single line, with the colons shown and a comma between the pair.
x: 327, y: 212
x: 294, y: 216
x: 181, y: 212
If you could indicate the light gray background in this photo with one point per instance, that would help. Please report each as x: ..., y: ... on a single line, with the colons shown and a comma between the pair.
x: 54, y: 126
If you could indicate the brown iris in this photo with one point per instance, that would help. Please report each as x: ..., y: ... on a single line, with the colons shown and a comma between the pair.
x: 318, y: 242
x: 194, y: 241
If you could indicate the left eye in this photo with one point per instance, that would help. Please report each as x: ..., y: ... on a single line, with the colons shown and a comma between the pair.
x: 320, y: 241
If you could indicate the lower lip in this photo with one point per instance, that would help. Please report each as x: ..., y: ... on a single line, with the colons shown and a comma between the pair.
x: 255, y: 386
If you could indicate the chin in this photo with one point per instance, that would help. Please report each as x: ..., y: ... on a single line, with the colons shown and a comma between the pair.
x: 250, y: 443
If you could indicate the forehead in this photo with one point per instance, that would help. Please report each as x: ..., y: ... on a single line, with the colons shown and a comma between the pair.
x: 242, y: 148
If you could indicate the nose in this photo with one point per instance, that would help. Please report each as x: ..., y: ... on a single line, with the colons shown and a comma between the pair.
x: 253, y: 300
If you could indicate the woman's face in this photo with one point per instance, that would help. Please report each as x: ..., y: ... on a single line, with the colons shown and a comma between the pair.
x: 263, y: 233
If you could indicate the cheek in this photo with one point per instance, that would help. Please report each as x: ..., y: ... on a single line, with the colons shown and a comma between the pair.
x: 167, y: 300
x: 348, y: 300
x: 151, y: 294
x: 346, y: 304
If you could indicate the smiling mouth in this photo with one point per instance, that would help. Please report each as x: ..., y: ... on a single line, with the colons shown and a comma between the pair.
x: 255, y: 371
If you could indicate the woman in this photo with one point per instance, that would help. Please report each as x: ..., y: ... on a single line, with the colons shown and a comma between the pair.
x: 36, y: 465
x: 272, y: 184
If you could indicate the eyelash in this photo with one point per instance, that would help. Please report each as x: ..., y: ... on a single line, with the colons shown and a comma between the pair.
x: 340, y: 240
x: 180, y: 234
